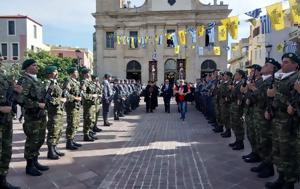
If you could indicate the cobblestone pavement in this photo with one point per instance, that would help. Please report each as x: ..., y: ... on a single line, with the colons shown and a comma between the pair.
x: 154, y: 150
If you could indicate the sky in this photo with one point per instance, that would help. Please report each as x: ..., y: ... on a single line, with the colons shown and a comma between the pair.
x: 70, y: 22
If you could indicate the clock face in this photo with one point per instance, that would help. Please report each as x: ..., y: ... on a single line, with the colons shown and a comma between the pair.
x: 171, y: 2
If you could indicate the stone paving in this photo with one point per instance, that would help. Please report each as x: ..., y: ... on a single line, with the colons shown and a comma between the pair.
x: 154, y: 150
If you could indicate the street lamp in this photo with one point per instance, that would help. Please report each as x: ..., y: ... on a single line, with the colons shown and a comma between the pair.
x: 269, y: 49
x: 78, y: 52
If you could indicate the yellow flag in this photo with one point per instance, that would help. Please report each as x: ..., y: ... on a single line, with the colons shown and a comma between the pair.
x: 124, y: 40
x: 295, y: 11
x: 139, y: 40
x: 119, y: 40
x: 222, y: 33
x: 177, y: 49
x: 279, y: 47
x: 156, y: 38
x: 217, y: 51
x: 234, y: 48
x: 233, y: 27
x: 181, y: 34
x: 200, y: 31
x: 276, y: 15
x: 132, y: 43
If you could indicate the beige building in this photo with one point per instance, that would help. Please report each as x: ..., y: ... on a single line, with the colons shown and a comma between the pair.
x: 120, y: 31
x: 239, y: 55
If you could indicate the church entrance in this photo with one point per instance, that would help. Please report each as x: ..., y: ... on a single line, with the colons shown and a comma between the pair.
x: 171, y: 72
x: 134, y: 70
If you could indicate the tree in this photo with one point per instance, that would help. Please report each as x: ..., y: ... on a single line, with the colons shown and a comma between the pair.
x: 44, y: 59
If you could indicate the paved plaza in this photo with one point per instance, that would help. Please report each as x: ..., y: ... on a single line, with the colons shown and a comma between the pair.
x: 154, y: 150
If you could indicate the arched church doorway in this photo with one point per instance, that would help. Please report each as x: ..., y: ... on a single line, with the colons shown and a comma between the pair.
x: 171, y: 72
x: 134, y: 70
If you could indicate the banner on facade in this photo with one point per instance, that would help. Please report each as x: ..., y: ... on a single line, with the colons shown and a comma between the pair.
x: 153, y: 70
x: 181, y: 68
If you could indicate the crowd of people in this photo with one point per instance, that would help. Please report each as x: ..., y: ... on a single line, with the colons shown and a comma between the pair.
x: 44, y: 103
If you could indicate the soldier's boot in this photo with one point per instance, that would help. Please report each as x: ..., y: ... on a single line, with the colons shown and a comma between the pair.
x: 87, y: 138
x: 218, y: 129
x: 239, y: 145
x: 70, y: 145
x: 288, y: 185
x: 39, y: 166
x: 5, y: 185
x: 232, y: 144
x: 226, y: 134
x: 259, y: 168
x: 106, y: 123
x: 96, y: 129
x: 51, y: 153
x: 31, y: 169
x: 267, y: 171
x: 253, y: 159
x: 93, y: 135
x: 59, y: 153
x: 248, y: 155
x: 76, y: 144
x: 277, y: 184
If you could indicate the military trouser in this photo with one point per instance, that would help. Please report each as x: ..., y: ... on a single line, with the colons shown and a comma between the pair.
x: 225, y: 114
x: 264, y: 139
x: 35, y: 131
x: 54, y: 127
x: 73, y: 120
x: 236, y: 122
x: 97, y: 113
x: 217, y: 110
x: 284, y: 145
x: 117, y: 108
x: 252, y: 133
x: 88, y: 118
x: 105, y: 107
x: 6, y: 132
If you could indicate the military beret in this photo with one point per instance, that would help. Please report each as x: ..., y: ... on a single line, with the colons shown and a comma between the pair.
x: 107, y: 75
x: 228, y: 74
x: 291, y: 56
x: 274, y: 63
x: 27, y: 63
x: 241, y: 72
x: 85, y: 70
x: 72, y: 70
x: 50, y: 69
x: 254, y: 66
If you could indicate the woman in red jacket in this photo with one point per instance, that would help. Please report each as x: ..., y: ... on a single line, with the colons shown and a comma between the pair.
x: 182, y: 90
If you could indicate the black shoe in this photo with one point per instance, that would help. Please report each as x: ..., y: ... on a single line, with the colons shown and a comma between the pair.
x: 248, y: 155
x: 31, y: 169
x: 277, y: 184
x: 87, y: 138
x: 267, y: 171
x: 121, y: 115
x: 51, y: 153
x: 93, y: 136
x: 116, y: 118
x: 76, y: 144
x: 5, y: 185
x: 70, y: 145
x: 218, y: 129
x: 59, y: 153
x: 106, y: 123
x: 226, y: 134
x: 96, y: 129
x: 239, y: 146
x: 258, y: 168
x: 39, y: 166
x: 289, y: 185
x: 254, y: 159
x: 232, y: 144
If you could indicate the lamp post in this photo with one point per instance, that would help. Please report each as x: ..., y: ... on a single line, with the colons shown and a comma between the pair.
x: 78, y: 52
x: 269, y: 49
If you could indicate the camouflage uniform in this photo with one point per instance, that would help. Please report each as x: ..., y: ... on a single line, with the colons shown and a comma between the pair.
x: 98, y: 103
x: 225, y: 106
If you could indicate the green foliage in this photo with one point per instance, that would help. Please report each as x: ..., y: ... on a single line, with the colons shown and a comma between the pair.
x: 44, y: 59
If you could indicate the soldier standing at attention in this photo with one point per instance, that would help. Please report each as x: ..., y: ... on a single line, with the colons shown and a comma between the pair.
x: 284, y: 124
x: 6, y: 126
x: 98, y: 102
x: 117, y: 99
x: 71, y: 90
x: 35, y: 117
x: 54, y: 104
x: 106, y: 98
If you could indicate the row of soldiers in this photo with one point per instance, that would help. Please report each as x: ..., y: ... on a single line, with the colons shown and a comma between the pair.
x: 268, y: 104
x: 44, y: 103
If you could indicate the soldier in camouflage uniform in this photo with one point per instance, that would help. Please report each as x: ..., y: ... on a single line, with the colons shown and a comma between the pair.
x: 236, y: 109
x: 6, y: 129
x: 252, y: 127
x: 34, y: 125
x: 225, y: 104
x: 217, y: 105
x: 296, y: 111
x: 98, y: 102
x: 71, y: 90
x: 284, y: 124
x: 54, y: 104
x: 90, y: 95
x: 259, y: 99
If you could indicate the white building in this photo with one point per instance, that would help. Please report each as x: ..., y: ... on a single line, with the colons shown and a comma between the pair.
x: 156, y: 18
x: 239, y: 55
x: 19, y: 34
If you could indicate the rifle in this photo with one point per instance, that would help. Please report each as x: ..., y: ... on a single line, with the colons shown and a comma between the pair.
x: 47, y: 97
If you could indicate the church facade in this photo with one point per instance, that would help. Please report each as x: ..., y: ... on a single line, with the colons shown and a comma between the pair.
x: 139, y: 43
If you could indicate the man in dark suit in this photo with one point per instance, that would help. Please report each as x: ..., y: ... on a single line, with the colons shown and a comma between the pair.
x: 167, y: 93
x: 107, y: 97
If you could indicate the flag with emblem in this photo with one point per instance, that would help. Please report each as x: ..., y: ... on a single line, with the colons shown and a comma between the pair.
x: 201, y: 30
x: 275, y: 12
x: 177, y: 49
x: 217, y: 51
x: 232, y: 26
x: 222, y: 33
x: 279, y: 47
x: 295, y: 11
x: 181, y: 35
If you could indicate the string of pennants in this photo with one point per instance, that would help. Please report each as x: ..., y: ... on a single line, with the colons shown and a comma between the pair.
x: 227, y: 26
